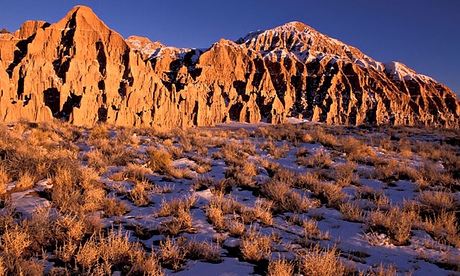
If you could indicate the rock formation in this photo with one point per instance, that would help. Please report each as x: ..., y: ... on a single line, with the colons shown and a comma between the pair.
x: 80, y: 70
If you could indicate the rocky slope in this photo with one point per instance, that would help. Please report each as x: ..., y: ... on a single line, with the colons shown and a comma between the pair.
x: 80, y: 70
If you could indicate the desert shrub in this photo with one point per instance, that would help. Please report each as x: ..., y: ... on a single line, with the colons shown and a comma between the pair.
x: 174, y: 206
x: 160, y: 160
x: 394, y: 170
x: 317, y: 261
x: 181, y: 222
x: 328, y: 140
x: 203, y: 251
x: 311, y: 230
x: 436, y: 201
x: 396, y: 223
x: 136, y: 172
x: 14, y: 243
x: 443, y: 227
x: 114, y: 207
x: 280, y: 267
x: 276, y: 151
x: 235, y: 227
x: 356, y: 150
x: 4, y: 180
x: 321, y: 159
x: 344, y: 174
x: 97, y: 160
x: 351, y: 211
x: 255, y: 246
x: 171, y: 254
x: 215, y: 216
x: 139, y: 194
x: 26, y: 181
x: 285, y: 198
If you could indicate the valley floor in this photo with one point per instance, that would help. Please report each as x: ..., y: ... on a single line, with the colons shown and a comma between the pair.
x: 233, y: 199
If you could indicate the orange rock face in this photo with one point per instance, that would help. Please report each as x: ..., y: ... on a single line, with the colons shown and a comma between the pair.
x: 80, y: 70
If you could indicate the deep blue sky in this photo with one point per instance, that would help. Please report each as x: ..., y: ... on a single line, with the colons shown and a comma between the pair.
x: 424, y: 34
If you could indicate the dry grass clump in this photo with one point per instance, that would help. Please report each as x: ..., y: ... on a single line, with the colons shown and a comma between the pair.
x: 171, y: 254
x: 329, y: 193
x: 311, y: 230
x: 203, y: 251
x: 139, y: 194
x: 394, y: 170
x: 321, y: 159
x: 160, y: 160
x: 344, y: 174
x: 255, y: 246
x: 351, y: 211
x: 114, y: 207
x: 236, y: 227
x: 357, y: 151
x: 180, y: 222
x: 444, y: 227
x: 378, y: 197
x: 318, y: 261
x: 174, y: 206
x: 135, y: 172
x: 97, y: 160
x: 431, y: 174
x: 321, y: 136
x: 275, y: 151
x: 25, y: 182
x: 4, y: 180
x: 284, y: 197
x: 105, y: 254
x: 242, y: 174
x: 14, y: 243
x: 216, y: 216
x: 382, y: 270
x: 437, y: 201
x: 280, y: 267
x: 396, y: 223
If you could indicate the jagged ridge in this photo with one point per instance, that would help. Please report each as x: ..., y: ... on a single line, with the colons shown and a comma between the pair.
x: 80, y: 70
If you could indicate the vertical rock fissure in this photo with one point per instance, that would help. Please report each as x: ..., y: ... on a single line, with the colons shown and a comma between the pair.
x: 66, y: 49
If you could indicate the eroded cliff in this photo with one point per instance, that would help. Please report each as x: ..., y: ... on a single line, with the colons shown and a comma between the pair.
x: 80, y: 70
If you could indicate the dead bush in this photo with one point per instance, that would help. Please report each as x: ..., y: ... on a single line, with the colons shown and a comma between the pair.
x: 171, y: 254
x: 395, y: 223
x: 280, y: 267
x: 318, y: 261
x: 255, y: 246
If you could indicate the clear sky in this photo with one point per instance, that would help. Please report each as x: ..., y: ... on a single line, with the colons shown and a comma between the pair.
x: 424, y: 34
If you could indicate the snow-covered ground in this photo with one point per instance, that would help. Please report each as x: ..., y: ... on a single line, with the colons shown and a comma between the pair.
x: 360, y: 247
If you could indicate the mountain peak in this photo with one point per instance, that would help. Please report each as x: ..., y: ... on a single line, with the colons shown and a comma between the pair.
x: 296, y: 25
x: 82, y: 10
x: 83, y: 17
